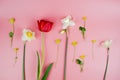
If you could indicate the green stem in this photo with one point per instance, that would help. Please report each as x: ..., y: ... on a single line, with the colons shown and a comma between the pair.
x: 38, y: 66
x: 84, y: 23
x: 16, y: 57
x: 65, y: 57
x: 11, y: 41
x: 57, y: 54
x: 83, y: 34
x: 13, y: 34
x: 43, y: 53
x: 104, y: 78
x: 92, y: 50
x: 74, y: 53
x: 81, y: 68
x: 23, y: 67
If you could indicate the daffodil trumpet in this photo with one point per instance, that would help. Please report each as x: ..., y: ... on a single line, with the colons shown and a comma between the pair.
x: 11, y: 34
x: 74, y: 43
x: 57, y: 41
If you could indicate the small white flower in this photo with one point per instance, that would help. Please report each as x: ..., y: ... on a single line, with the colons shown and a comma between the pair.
x: 28, y: 35
x: 106, y: 43
x: 67, y: 22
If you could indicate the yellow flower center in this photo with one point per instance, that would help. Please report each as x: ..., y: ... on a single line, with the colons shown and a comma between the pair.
x: 57, y: 41
x: 82, y: 56
x: 12, y: 20
x: 16, y: 49
x: 93, y: 41
x: 74, y: 43
x: 84, y: 18
x: 29, y: 34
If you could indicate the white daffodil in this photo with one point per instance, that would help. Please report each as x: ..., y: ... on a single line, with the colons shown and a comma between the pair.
x: 106, y: 43
x: 28, y: 35
x: 67, y: 22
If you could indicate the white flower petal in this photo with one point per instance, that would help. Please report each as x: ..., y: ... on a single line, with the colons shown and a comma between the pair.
x: 67, y: 22
x: 25, y: 37
x: 66, y: 19
x: 72, y: 23
x: 65, y: 26
x: 106, y: 43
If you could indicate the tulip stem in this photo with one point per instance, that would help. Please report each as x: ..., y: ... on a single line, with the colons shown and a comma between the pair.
x: 65, y: 57
x: 23, y: 67
x: 104, y: 78
x: 43, y: 52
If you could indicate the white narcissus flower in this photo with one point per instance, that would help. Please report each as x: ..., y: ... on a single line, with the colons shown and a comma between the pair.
x: 67, y: 22
x: 28, y: 35
x: 106, y: 43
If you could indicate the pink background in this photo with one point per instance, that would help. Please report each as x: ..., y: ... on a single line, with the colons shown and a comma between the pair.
x: 103, y: 22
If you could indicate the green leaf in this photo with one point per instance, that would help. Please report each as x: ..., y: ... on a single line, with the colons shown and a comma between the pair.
x: 47, y: 72
x: 11, y: 34
x: 78, y: 61
x: 38, y: 68
x: 82, y: 28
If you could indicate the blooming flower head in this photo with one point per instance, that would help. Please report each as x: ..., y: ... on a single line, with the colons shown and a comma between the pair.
x: 57, y: 41
x: 106, y: 43
x: 12, y: 20
x: 82, y: 56
x: 74, y: 43
x: 67, y: 22
x: 84, y: 18
x: 44, y: 26
x: 16, y: 49
x: 28, y: 35
x: 93, y: 41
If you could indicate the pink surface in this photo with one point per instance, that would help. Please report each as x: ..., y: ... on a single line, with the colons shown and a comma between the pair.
x: 103, y: 22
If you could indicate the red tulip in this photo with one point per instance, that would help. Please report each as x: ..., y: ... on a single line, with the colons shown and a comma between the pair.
x: 44, y: 26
